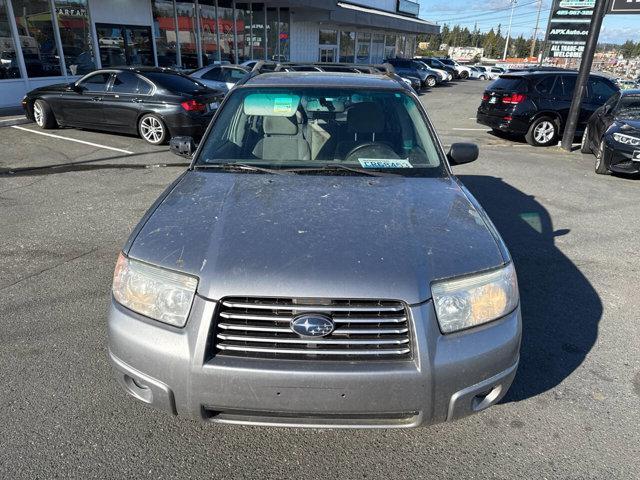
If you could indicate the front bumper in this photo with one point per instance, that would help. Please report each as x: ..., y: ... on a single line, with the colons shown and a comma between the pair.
x: 448, y: 377
x: 619, y: 158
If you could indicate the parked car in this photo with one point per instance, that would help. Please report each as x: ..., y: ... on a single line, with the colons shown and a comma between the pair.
x: 613, y: 134
x: 536, y: 103
x: 436, y: 64
x: 414, y: 82
x: 415, y: 68
x: 220, y: 77
x: 318, y: 264
x: 464, y: 71
x: 491, y: 72
x: 476, y: 73
x: 151, y: 102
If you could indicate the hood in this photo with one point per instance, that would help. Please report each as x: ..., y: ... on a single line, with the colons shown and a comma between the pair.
x: 627, y: 125
x: 321, y: 236
x: 58, y: 87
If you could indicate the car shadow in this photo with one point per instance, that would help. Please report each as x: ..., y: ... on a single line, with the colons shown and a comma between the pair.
x: 560, y: 308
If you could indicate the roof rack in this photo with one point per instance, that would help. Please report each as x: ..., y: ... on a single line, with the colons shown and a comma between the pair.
x: 264, y: 66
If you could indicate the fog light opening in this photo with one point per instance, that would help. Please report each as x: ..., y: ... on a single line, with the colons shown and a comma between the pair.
x: 138, y: 389
x: 486, y: 399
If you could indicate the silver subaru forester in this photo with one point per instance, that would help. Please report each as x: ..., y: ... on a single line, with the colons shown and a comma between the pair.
x: 317, y: 265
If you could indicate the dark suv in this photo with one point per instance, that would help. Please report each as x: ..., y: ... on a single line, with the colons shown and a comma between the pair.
x: 536, y: 103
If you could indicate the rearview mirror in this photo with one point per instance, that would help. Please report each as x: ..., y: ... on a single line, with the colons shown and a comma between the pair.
x: 460, y: 153
x: 183, y: 146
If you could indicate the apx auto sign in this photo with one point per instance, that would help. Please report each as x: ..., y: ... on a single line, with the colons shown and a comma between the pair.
x: 569, y: 27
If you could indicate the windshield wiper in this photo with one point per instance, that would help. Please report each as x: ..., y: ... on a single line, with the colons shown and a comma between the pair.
x: 240, y: 167
x: 333, y: 167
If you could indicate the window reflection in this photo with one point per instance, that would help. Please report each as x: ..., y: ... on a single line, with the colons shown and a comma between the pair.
x: 377, y: 48
x: 35, y: 27
x: 75, y: 34
x: 390, y: 46
x: 272, y: 34
x: 347, y: 46
x: 257, y: 31
x: 164, y: 26
x: 364, y: 42
x: 284, y: 34
x: 208, y: 31
x: 8, y: 59
x: 225, y: 24
x: 243, y: 26
x: 186, y: 12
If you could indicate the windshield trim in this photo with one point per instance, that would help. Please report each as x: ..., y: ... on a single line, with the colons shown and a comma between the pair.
x: 444, y: 170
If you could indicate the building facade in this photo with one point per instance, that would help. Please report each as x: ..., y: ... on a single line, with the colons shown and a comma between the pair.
x: 56, y: 41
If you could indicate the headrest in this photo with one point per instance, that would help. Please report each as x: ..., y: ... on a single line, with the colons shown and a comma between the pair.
x: 280, y: 126
x: 365, y: 117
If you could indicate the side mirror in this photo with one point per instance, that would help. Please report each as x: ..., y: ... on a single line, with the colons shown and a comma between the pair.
x: 72, y: 87
x: 183, y: 146
x: 460, y: 153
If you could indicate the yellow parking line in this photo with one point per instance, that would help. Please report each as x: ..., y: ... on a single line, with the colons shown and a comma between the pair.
x: 73, y: 140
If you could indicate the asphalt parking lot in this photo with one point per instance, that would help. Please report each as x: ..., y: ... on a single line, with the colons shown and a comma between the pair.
x: 573, y: 412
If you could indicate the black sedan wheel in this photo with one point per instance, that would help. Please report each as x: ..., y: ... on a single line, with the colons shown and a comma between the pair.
x: 152, y: 129
x: 542, y: 132
x: 431, y: 81
x: 584, y: 146
x: 601, y: 166
x: 43, y: 115
x: 464, y: 74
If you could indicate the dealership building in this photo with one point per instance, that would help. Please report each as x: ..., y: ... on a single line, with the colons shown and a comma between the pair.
x: 55, y: 41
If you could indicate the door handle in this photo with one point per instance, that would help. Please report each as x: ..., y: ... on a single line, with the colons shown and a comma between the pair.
x: 137, y: 100
x: 96, y: 99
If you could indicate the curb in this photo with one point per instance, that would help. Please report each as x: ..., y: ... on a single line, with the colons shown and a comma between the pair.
x: 18, y: 120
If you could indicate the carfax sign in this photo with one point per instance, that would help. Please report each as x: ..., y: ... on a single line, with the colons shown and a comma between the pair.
x: 569, y: 27
x: 625, y: 6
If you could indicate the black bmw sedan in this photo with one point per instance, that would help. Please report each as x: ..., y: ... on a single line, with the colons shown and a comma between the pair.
x: 155, y: 103
x: 613, y: 134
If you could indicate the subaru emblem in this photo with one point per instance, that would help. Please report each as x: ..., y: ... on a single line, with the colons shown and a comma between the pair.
x: 312, y: 325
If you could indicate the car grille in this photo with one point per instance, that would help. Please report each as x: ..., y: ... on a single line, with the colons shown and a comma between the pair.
x: 260, y: 328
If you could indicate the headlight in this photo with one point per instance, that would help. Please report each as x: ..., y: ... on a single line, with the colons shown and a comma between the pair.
x: 626, y: 139
x: 470, y: 301
x: 154, y: 292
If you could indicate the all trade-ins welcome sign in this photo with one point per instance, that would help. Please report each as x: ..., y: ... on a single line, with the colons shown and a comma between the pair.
x: 569, y: 27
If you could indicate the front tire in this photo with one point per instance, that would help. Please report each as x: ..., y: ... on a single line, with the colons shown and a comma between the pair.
x: 483, y: 77
x: 43, y: 115
x: 431, y: 81
x: 152, y: 129
x: 543, y: 132
x: 584, y: 145
x: 464, y: 74
x: 601, y: 166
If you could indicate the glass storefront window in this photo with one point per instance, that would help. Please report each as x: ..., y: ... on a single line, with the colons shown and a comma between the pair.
x: 272, y: 34
x: 347, y: 46
x: 208, y: 31
x: 187, y: 35
x: 402, y: 52
x: 8, y: 59
x: 328, y: 37
x: 390, y: 46
x: 410, y: 48
x: 364, y: 44
x: 124, y: 45
x: 377, y: 48
x: 257, y: 31
x: 75, y: 35
x: 225, y: 24
x: 243, y: 28
x: 164, y: 27
x: 284, y: 34
x: 35, y: 27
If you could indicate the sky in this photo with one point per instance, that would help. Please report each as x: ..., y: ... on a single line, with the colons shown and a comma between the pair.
x: 489, y: 13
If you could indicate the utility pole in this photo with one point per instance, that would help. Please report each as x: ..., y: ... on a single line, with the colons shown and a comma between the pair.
x: 583, y: 74
x: 535, y: 30
x: 506, y: 43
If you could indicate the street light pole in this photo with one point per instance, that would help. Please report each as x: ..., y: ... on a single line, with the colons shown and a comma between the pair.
x: 583, y: 74
x: 535, y: 30
x: 506, y: 44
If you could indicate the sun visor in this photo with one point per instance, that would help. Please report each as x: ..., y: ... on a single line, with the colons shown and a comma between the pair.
x: 271, y: 104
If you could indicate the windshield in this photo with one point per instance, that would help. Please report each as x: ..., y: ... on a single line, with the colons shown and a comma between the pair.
x: 300, y: 128
x: 629, y: 107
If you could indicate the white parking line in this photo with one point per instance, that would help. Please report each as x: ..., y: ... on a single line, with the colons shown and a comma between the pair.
x: 472, y: 129
x: 74, y: 140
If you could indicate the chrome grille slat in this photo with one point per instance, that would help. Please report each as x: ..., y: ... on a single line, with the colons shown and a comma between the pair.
x: 313, y: 340
x: 364, y: 329
x: 299, y: 351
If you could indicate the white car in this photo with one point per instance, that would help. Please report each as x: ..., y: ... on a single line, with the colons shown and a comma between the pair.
x: 491, y: 72
x: 463, y: 70
x: 443, y: 74
x: 221, y: 77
